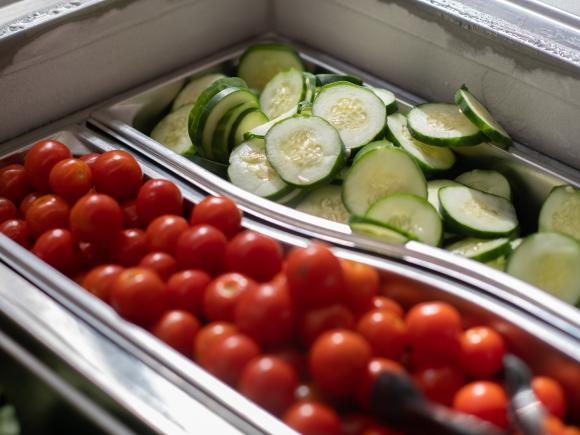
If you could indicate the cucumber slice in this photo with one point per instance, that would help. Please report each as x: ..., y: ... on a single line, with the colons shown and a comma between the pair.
x: 379, y: 173
x: 443, y: 124
x: 477, y: 214
x: 243, y: 124
x: 293, y: 197
x: 549, y: 261
x: 388, y: 98
x: 481, y: 249
x: 283, y: 92
x: 189, y: 94
x: 430, y: 158
x: 172, y: 132
x: 373, y: 230
x: 325, y: 202
x: 433, y: 187
x: 411, y: 214
x: 370, y: 147
x: 356, y: 112
x: 561, y: 212
x: 487, y: 181
x: 310, y: 83
x: 221, y: 135
x: 480, y: 116
x: 515, y: 243
x: 262, y: 129
x: 305, y: 150
x: 498, y: 263
x: 261, y: 62
x: 325, y: 79
x: 250, y: 170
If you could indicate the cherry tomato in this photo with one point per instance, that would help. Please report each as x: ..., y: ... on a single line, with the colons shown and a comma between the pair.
x: 158, y: 197
x: 89, y: 159
x: 319, y: 320
x: 440, y: 383
x: 551, y: 394
x: 373, y: 369
x: 486, y: 400
x: 255, y: 255
x: 186, y: 289
x: 40, y: 159
x: 220, y: 212
x: 161, y: 262
x: 7, y: 210
x: 178, y: 329
x: 361, y: 284
x: 96, y: 217
x: 310, y: 392
x: 70, y: 178
x: 47, y: 212
x: 388, y: 304
x: 405, y: 291
x: 223, y: 294
x: 17, y: 230
x: 553, y: 426
x: 228, y: 357
x: 163, y: 232
x: 57, y: 248
x: 270, y: 382
x: 266, y: 314
x: 138, y: 294
x: 385, y: 332
x: 347, y: 353
x: 482, y: 352
x: 128, y: 247
x: 314, y: 276
x: 209, y: 335
x: 201, y: 247
x: 130, y: 216
x: 312, y: 418
x: 355, y: 423
x: 117, y: 174
x: 295, y: 358
x: 99, y: 280
x: 27, y: 201
x: 91, y: 254
x: 14, y: 183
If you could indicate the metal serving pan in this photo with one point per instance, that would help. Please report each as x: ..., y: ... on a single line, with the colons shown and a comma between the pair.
x: 547, y: 349
x: 131, y: 117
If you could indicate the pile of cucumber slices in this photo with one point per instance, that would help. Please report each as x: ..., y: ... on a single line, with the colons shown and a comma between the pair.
x: 332, y: 146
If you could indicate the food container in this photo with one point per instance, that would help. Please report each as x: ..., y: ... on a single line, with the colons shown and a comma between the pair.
x: 547, y: 349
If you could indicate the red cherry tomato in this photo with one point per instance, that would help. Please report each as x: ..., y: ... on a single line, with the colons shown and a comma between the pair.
x: 388, y: 304
x: 14, y: 183
x: 178, y: 329
x: 161, y: 262
x: 482, y: 352
x: 312, y: 418
x: 96, y: 218
x: 314, y: 276
x: 209, y: 335
x: 40, y: 159
x: 385, y: 332
x: 220, y: 212
x: 117, y: 174
x: 91, y: 254
x: 89, y: 159
x: 46, y: 213
x: 486, y: 400
x: 57, y: 248
x: 550, y: 393
x: 201, y: 247
x: 99, y: 280
x: 130, y: 216
x: 16, y: 230
x: 156, y: 198
x: 163, y: 232
x: 361, y: 284
x: 27, y: 201
x: 228, y: 357
x: 186, y: 289
x: 266, y: 314
x: 295, y: 358
x: 70, y: 178
x: 319, y: 320
x: 7, y: 210
x: 138, y: 294
x: 223, y: 294
x: 128, y: 247
x: 347, y: 353
x: 255, y: 255
x: 270, y: 382
x: 440, y: 384
x: 374, y: 368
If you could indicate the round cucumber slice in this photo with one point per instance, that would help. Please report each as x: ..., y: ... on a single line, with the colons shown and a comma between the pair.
x: 487, y: 181
x: 388, y: 98
x: 370, y: 147
x: 245, y: 123
x: 172, y: 132
x: 480, y: 116
x: 262, y: 129
x: 193, y: 89
x: 550, y: 261
x: 220, y: 144
x: 293, y: 197
x: 561, y: 212
x: 433, y: 187
x: 481, y: 249
x: 443, y: 124
x: 325, y: 202
x: 283, y: 92
x: 325, y: 79
x: 374, y: 230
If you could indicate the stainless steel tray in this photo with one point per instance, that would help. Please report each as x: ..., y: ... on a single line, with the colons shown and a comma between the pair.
x: 548, y: 349
x: 131, y: 116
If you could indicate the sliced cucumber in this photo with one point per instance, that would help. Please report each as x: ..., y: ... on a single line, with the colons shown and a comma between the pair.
x: 325, y: 202
x: 262, y: 129
x: 487, y: 181
x: 550, y: 261
x: 443, y: 124
x: 561, y: 212
x: 480, y: 116
x: 325, y: 79
x: 433, y: 187
x: 430, y: 158
x: 283, y: 92
x: 481, y: 249
x: 374, y: 230
x: 356, y: 112
x: 477, y: 214
x: 172, y: 132
x: 261, y: 62
x: 310, y: 83
x: 244, y: 124
x: 220, y: 141
x: 498, y: 263
x: 370, y: 147
x: 515, y: 243
x: 305, y: 150
x: 388, y: 98
x: 293, y: 197
x: 193, y: 89
x: 379, y: 173
x: 411, y: 214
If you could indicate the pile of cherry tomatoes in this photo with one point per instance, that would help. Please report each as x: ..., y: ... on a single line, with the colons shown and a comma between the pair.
x: 303, y: 334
